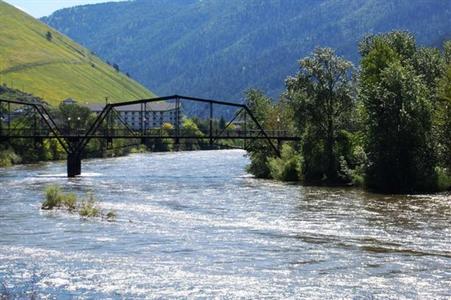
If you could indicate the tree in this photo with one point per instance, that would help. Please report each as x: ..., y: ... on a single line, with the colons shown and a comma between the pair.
x: 430, y: 64
x: 259, y: 152
x: 49, y: 36
x: 321, y: 96
x: 74, y: 116
x: 442, y: 119
x: 3, y: 117
x: 398, y: 116
x: 189, y: 128
x: 222, y: 123
x: 447, y: 52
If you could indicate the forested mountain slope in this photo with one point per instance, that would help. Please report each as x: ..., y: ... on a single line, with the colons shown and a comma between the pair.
x: 38, y: 60
x: 219, y: 48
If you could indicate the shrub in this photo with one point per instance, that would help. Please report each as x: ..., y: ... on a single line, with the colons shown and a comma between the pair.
x: 89, y: 208
x: 8, y: 158
x: 443, y: 179
x: 286, y: 168
x: 353, y: 176
x: 54, y: 198
x: 259, y: 165
x: 138, y: 149
x: 70, y: 201
x: 49, y: 36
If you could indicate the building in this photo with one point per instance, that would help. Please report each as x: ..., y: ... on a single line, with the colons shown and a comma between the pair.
x: 69, y: 101
x: 145, y: 116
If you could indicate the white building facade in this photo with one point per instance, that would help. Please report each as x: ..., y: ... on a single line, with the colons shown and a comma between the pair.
x: 146, y: 116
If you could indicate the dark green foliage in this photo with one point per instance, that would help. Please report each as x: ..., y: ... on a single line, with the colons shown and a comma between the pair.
x: 442, y: 120
x: 259, y: 151
x: 233, y: 45
x: 395, y: 138
x: 399, y: 117
x: 73, y: 117
x: 222, y: 123
x: 430, y: 64
x: 189, y: 128
x: 287, y: 167
x: 321, y: 96
x: 49, y: 36
x: 259, y: 163
x: 8, y: 157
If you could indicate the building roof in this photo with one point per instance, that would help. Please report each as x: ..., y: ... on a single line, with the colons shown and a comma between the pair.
x: 69, y: 101
x: 153, y: 106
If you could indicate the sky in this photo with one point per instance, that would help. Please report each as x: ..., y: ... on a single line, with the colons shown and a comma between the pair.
x: 41, y: 8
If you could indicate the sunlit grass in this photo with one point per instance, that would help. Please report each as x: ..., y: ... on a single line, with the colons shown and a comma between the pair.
x: 89, y: 208
x: 56, y: 69
x: 55, y: 198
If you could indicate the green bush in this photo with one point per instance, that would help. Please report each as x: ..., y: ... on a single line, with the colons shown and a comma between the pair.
x: 443, y: 179
x: 287, y: 167
x: 8, y: 158
x: 70, y: 201
x: 139, y: 149
x: 89, y: 208
x: 259, y: 165
x: 354, y: 176
x: 55, y: 198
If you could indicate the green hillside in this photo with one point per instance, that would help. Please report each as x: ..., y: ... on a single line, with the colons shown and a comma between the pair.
x: 54, y: 67
x: 220, y: 48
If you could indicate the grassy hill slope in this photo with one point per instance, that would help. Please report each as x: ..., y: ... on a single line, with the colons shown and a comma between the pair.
x: 56, y: 68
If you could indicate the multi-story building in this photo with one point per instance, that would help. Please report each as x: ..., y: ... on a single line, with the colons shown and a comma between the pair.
x: 146, y: 116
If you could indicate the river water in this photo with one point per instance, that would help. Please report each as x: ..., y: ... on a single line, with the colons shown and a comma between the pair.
x: 194, y: 224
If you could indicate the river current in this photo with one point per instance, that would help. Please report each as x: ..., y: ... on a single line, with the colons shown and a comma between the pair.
x: 195, y: 225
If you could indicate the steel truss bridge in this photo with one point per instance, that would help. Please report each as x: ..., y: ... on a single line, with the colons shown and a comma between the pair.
x: 110, y: 125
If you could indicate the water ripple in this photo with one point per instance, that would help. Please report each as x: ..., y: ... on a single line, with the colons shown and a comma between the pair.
x: 196, y: 225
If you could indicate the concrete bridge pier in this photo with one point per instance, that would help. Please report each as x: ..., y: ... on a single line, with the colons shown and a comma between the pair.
x: 73, y: 165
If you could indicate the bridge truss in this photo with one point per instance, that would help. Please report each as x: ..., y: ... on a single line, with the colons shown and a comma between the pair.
x: 110, y: 124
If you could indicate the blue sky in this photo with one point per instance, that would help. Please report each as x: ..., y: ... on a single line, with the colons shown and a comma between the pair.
x: 40, y: 8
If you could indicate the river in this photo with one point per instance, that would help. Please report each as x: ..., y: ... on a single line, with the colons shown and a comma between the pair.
x: 194, y: 224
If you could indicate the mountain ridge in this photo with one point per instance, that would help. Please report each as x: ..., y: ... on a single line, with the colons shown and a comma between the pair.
x: 218, y: 49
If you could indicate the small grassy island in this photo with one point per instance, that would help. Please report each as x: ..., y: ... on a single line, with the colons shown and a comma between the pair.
x: 86, y: 208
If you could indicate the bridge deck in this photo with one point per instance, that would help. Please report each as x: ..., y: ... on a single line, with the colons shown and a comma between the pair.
x: 147, y: 134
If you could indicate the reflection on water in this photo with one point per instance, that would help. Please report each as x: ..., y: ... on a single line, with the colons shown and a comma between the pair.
x: 194, y: 224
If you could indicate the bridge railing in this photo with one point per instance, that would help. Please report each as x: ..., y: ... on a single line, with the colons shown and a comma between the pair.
x: 148, y: 133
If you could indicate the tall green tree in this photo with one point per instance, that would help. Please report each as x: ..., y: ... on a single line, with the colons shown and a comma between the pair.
x: 259, y: 152
x: 321, y: 96
x: 443, y: 119
x: 398, y: 115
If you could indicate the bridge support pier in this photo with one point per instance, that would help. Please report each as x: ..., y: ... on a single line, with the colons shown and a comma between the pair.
x: 73, y: 165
